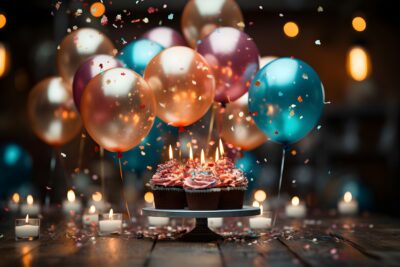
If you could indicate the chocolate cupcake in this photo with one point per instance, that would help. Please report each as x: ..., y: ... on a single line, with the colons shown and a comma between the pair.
x: 201, y: 193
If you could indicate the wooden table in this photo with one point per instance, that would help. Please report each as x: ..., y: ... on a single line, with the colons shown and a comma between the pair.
x: 372, y: 241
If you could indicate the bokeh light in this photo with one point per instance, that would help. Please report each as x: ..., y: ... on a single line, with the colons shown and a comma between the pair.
x: 4, y: 60
x: 358, y: 63
x: 359, y: 24
x: 291, y: 29
x: 3, y: 21
x: 149, y: 197
x: 260, y: 195
x: 97, y: 9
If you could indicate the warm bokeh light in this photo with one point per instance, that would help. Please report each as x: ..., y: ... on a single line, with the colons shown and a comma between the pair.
x: 71, y: 195
x: 15, y: 198
x: 4, y: 59
x: 359, y: 24
x: 97, y: 9
x: 171, y: 154
x: 291, y: 29
x: 97, y: 196
x: 260, y: 195
x: 347, y: 197
x: 29, y: 199
x: 256, y: 204
x: 92, y: 209
x: 149, y: 197
x: 3, y: 21
x: 295, y: 201
x: 358, y: 63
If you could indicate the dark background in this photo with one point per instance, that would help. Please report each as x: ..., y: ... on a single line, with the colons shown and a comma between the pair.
x: 355, y: 150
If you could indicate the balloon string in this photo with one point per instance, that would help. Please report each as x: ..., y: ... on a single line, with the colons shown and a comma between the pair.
x: 102, y: 178
x: 64, y: 169
x: 123, y: 191
x: 280, y: 184
x: 210, y: 129
x: 81, y: 147
x: 53, y: 161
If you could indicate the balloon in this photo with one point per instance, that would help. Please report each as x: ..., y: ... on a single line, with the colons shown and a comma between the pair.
x: 87, y: 70
x: 286, y: 99
x: 137, y: 54
x: 265, y: 60
x: 52, y: 112
x: 182, y: 83
x: 233, y: 57
x: 165, y: 36
x: 201, y: 17
x: 238, y: 128
x: 117, y: 109
x: 78, y: 46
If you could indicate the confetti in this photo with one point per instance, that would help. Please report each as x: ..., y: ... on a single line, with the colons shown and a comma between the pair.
x: 319, y: 127
x: 171, y: 16
x: 63, y: 155
x: 318, y: 42
x: 299, y: 99
x: 320, y: 9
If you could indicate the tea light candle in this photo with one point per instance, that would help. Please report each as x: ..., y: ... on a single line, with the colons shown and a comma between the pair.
x: 27, y: 229
x: 215, y: 222
x: 110, y: 223
x: 158, y: 221
x: 348, y: 205
x: 296, y: 209
x: 13, y: 204
x: 260, y: 221
x: 30, y: 207
x: 91, y: 218
x: 71, y: 205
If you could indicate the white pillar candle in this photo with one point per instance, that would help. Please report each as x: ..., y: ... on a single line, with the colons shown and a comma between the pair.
x: 296, y: 209
x: 27, y: 228
x: 13, y: 204
x: 110, y: 223
x: 91, y: 218
x: 30, y: 207
x: 158, y: 221
x: 348, y: 205
x: 71, y: 205
x: 215, y: 222
x: 262, y: 221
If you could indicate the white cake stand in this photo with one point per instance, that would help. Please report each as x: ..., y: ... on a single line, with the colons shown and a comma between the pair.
x: 201, y: 232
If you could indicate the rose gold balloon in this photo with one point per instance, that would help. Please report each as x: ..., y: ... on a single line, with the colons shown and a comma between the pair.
x: 117, y: 109
x: 52, y: 112
x: 78, y: 46
x: 201, y: 17
x: 238, y: 127
x: 183, y: 85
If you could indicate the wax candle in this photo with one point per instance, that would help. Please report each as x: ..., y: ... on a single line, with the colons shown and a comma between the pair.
x: 215, y: 222
x: 91, y: 218
x: 262, y: 221
x: 110, y: 223
x: 348, y: 205
x: 71, y: 205
x: 158, y: 221
x: 30, y: 207
x: 27, y: 229
x: 296, y: 209
x: 13, y: 204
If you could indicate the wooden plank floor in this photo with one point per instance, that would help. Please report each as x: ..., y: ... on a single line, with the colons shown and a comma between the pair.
x: 373, y: 241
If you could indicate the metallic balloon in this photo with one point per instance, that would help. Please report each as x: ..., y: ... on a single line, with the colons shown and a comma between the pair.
x: 137, y: 54
x: 233, y: 57
x: 237, y: 127
x: 183, y: 85
x: 78, y: 46
x: 201, y: 17
x: 286, y: 99
x: 165, y: 36
x: 52, y: 112
x: 87, y: 70
x: 117, y: 109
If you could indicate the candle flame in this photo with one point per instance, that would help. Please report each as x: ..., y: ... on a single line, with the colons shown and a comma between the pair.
x: 295, y: 201
x: 347, y: 197
x: 27, y: 218
x: 190, y: 152
x: 202, y: 158
x: 216, y: 154
x: 171, y: 155
x: 149, y: 197
x: 71, y: 195
x: 97, y: 196
x: 260, y: 195
x: 110, y: 215
x: 221, y: 148
x: 92, y: 209
x: 29, y: 199
x: 15, y: 198
x: 261, y: 209
x: 256, y: 204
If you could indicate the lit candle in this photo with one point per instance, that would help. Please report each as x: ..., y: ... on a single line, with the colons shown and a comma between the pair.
x: 296, y: 209
x: 348, y: 205
x: 190, y: 152
x: 215, y: 222
x: 170, y: 153
x: 71, y: 205
x: 30, y: 207
x: 98, y: 202
x: 260, y: 221
x: 202, y: 157
x: 110, y: 223
x: 260, y: 196
x: 27, y: 229
x: 13, y: 204
x: 91, y: 218
x: 216, y: 154
x: 221, y: 148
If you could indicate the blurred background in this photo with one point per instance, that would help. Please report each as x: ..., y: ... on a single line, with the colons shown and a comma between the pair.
x: 353, y: 45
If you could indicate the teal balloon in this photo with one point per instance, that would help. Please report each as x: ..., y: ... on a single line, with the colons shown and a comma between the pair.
x: 137, y: 54
x: 286, y: 99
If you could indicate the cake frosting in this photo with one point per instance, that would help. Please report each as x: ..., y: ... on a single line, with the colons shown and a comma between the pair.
x: 200, y: 181
x: 169, y: 174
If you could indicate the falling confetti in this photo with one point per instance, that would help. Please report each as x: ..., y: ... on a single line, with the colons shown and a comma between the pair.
x: 171, y: 16
x: 63, y: 155
x: 320, y: 9
x: 318, y: 42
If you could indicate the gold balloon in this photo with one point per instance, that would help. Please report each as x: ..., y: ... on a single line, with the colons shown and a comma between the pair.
x: 52, y: 112
x: 117, y: 109
x: 201, y: 17
x: 238, y: 127
x: 183, y: 85
x: 78, y: 46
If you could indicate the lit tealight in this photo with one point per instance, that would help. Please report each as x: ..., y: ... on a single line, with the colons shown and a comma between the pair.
x: 295, y: 209
x: 295, y: 201
x: 71, y: 196
x: 348, y: 205
x: 256, y: 204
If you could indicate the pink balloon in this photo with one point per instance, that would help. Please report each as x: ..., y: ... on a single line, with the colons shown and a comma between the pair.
x: 165, y: 36
x: 233, y: 56
x: 87, y: 70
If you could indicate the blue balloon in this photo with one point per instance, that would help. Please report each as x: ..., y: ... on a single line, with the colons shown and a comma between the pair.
x: 137, y: 54
x: 286, y: 99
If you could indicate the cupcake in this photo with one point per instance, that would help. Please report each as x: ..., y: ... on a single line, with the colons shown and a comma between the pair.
x: 191, y: 166
x: 166, y: 185
x: 233, y: 184
x: 201, y: 191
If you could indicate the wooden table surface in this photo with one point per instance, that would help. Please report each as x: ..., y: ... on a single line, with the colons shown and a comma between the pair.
x: 369, y: 241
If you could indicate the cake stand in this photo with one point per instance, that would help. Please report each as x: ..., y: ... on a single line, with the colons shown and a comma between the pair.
x: 201, y: 232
